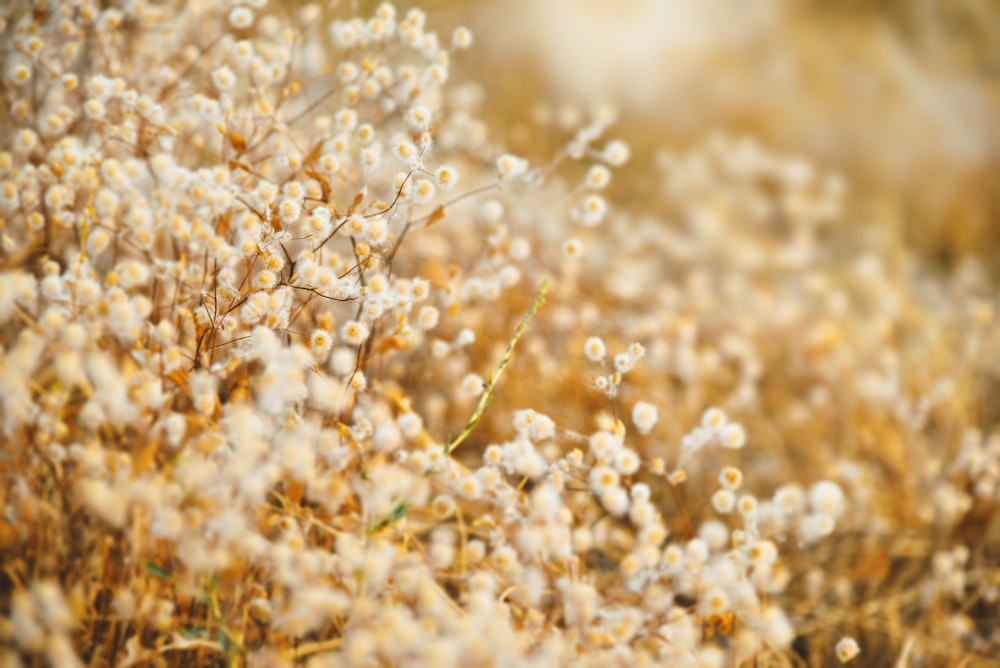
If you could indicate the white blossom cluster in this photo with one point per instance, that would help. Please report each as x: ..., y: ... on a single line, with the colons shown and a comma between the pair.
x: 258, y: 267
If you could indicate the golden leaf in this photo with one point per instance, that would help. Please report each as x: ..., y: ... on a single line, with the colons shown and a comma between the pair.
x: 437, y: 215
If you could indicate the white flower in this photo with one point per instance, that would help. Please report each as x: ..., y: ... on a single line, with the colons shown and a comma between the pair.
x: 354, y: 332
x: 847, y: 649
x: 223, y: 78
x: 644, y: 416
x: 240, y: 17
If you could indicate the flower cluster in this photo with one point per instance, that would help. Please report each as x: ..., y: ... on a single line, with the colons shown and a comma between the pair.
x: 262, y: 270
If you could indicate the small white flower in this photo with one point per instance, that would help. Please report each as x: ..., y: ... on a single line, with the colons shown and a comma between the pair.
x: 847, y: 649
x: 354, y: 332
x: 223, y: 78
x: 644, y: 416
x: 240, y: 17
x: 594, y: 349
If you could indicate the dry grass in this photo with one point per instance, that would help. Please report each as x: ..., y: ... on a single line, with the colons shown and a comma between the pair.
x: 276, y: 390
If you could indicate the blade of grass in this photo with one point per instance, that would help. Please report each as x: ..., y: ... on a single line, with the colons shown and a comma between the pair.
x: 159, y: 571
x: 492, y: 379
x: 398, y: 513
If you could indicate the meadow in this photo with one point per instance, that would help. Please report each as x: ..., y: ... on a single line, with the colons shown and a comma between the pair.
x: 323, y: 344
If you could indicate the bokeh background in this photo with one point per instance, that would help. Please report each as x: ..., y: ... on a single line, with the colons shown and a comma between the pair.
x: 901, y: 97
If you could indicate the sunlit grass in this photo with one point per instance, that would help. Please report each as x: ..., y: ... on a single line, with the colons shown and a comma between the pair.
x: 278, y: 386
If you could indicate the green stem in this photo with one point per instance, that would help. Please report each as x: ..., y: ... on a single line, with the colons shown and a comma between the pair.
x: 492, y: 379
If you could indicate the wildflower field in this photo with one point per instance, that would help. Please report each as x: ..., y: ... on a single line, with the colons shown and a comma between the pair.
x: 349, y: 334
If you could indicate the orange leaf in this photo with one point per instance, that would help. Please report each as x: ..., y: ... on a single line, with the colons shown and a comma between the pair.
x: 238, y: 142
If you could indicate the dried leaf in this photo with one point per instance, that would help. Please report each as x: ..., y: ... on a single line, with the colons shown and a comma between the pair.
x: 238, y: 142
x: 324, y: 183
x: 437, y: 215
x: 356, y: 203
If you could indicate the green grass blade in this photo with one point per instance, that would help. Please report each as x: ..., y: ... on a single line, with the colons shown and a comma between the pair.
x: 491, y: 379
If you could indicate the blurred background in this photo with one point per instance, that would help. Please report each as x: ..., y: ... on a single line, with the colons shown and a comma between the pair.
x: 902, y: 97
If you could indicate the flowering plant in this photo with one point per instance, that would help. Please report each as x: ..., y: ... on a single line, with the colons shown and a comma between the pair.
x: 264, y: 273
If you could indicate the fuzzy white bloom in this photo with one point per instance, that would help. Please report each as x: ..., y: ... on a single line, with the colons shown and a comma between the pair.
x: 747, y: 505
x: 715, y: 534
x: 94, y: 109
x: 347, y: 71
x: 424, y: 190
x: 289, y: 210
x: 847, y: 648
x: 572, y: 248
x: 731, y: 478
x: 724, y: 501
x: 616, y: 153
x: 814, y: 527
x: 223, y: 78
x: 594, y: 349
x: 714, y: 418
x: 627, y: 461
x: 410, y: 423
x: 827, y: 498
x: 615, y: 500
x: 132, y: 273
x: 520, y: 249
x: 510, y: 166
x: 777, y: 629
x: 471, y: 386
x: 461, y: 38
x: 790, y: 499
x: 644, y: 416
x: 405, y: 150
x: 446, y: 176
x: 604, y: 443
x: 320, y: 342
x: 603, y: 478
x: 342, y: 360
x: 347, y: 120
x: 428, y: 317
x: 240, y: 17
x: 419, y: 117
x: 592, y: 210
x: 491, y: 211
x: 733, y: 436
x: 354, y: 332
x: 534, y: 425
x: 715, y: 602
x: 597, y: 177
